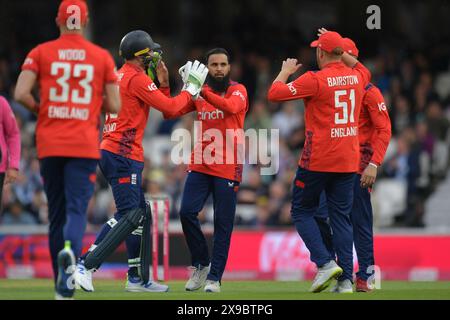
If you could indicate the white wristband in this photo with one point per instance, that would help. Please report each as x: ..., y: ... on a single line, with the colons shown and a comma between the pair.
x: 373, y: 164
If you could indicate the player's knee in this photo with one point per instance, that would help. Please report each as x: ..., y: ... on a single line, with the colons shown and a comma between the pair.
x: 133, y: 215
x: 186, y: 212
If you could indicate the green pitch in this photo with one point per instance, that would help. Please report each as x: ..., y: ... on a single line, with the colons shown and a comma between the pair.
x: 231, y: 290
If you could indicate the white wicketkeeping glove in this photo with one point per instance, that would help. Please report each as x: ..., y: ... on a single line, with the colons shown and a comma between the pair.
x: 184, y: 71
x: 195, y: 78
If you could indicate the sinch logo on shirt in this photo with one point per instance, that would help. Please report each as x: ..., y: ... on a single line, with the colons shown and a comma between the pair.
x: 211, y: 115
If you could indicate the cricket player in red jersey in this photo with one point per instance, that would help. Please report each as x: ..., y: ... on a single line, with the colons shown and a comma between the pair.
x: 330, y: 157
x: 215, y: 168
x: 73, y: 75
x: 122, y: 160
x: 374, y: 136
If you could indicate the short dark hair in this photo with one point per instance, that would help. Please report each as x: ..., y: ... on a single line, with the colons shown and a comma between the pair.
x: 217, y: 51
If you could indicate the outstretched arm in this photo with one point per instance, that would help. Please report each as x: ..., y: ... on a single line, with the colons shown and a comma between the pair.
x: 173, y: 114
x: 288, y: 68
x: 236, y: 103
x: 145, y: 89
x: 302, y: 87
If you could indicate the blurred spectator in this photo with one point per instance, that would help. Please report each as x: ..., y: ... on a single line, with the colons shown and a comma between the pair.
x: 277, y: 198
x: 401, y: 114
x: 288, y: 118
x: 437, y: 123
x: 17, y: 215
x: 23, y: 189
x: 405, y: 166
x: 258, y: 118
x: 438, y: 126
x: 251, y: 188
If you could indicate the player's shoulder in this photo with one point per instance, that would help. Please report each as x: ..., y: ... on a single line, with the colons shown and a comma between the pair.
x: 372, y: 89
x: 136, y: 78
x: 372, y: 93
x: 236, y: 85
x: 360, y: 72
x: 47, y: 45
x: 310, y: 76
x: 313, y: 74
x: 361, y: 69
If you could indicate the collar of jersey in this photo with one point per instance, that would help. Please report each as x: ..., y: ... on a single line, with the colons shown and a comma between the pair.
x: 132, y: 66
x: 72, y: 35
x: 333, y: 64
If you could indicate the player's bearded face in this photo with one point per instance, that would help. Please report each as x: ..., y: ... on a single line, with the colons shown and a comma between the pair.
x: 218, y: 84
x: 219, y: 72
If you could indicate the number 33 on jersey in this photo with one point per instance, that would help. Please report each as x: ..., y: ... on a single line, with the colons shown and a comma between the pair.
x: 72, y: 73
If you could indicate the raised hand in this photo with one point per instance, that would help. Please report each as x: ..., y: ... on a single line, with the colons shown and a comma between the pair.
x: 321, y: 31
x: 163, y: 74
x: 290, y: 66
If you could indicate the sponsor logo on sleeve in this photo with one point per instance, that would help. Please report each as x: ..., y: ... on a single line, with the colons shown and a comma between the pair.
x: 381, y: 106
x: 239, y: 94
x: 292, y: 88
x: 152, y: 87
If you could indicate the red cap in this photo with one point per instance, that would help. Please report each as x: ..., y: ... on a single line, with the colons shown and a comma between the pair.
x: 328, y: 41
x: 350, y: 47
x: 67, y: 10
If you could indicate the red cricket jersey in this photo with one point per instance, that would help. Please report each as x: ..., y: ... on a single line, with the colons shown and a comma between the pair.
x: 219, y: 145
x: 123, y: 132
x: 333, y: 98
x: 374, y: 128
x: 72, y: 73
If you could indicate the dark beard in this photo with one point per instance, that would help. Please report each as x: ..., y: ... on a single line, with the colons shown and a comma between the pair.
x: 219, y: 85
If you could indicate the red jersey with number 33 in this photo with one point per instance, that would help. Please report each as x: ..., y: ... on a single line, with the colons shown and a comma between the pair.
x: 333, y: 98
x: 72, y: 73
